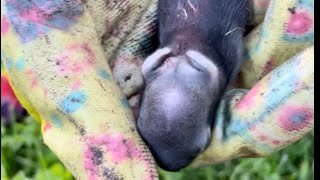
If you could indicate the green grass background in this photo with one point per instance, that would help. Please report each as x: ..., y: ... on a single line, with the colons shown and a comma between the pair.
x: 24, y: 156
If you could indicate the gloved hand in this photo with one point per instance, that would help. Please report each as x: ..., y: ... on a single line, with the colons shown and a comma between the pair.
x: 58, y: 56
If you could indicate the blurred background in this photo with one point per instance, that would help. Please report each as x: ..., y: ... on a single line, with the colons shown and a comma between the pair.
x: 24, y: 156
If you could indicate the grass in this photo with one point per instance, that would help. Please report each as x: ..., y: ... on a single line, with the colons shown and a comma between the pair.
x: 24, y: 156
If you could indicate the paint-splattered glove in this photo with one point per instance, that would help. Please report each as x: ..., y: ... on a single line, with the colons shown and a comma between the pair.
x: 59, y: 50
x: 279, y: 70
x: 57, y: 67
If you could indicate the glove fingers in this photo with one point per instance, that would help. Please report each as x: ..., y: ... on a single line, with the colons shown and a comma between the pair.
x: 287, y: 29
x: 276, y: 112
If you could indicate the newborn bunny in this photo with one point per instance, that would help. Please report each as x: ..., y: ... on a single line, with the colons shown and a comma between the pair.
x: 201, y: 50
